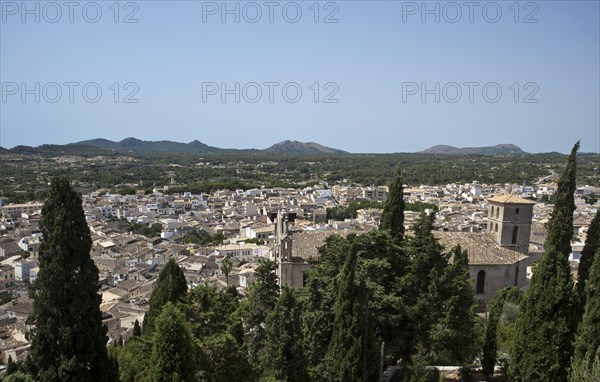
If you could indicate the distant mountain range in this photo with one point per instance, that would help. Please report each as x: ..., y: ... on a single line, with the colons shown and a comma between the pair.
x: 99, y: 146
x: 134, y: 144
x: 488, y: 150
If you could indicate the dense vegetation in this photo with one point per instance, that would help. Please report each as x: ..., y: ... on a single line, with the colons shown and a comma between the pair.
x: 24, y: 174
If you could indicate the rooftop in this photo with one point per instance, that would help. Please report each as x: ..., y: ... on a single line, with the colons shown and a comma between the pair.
x: 510, y: 199
x: 481, y: 247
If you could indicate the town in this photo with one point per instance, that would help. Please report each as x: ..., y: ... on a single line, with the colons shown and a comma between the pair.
x: 135, y: 235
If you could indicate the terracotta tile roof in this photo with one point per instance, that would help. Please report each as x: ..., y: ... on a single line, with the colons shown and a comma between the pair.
x: 481, y: 247
x: 512, y: 199
x: 306, y: 244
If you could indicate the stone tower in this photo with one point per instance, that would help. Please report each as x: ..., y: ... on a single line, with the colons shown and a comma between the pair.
x: 509, y: 219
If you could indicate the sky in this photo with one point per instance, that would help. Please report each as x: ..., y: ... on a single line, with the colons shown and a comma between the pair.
x: 361, y: 76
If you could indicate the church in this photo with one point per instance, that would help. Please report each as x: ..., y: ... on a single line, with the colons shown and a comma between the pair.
x: 497, y: 258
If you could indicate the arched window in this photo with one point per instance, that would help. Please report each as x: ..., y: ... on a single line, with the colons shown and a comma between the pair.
x: 515, y: 234
x: 496, y: 228
x: 517, y: 214
x: 497, y: 212
x: 517, y: 276
x: 480, y: 282
x: 492, y: 211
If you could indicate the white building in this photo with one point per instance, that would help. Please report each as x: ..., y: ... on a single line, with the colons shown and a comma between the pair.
x: 23, y: 269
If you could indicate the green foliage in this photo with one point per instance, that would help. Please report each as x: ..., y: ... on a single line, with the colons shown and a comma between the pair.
x: 546, y: 325
x: 392, y: 217
x: 503, y: 299
x: 351, y: 341
x: 170, y: 287
x: 133, y: 359
x: 5, y: 298
x: 588, y: 338
x: 226, y: 267
x: 222, y: 359
x: 588, y: 370
x: 592, y: 243
x: 217, y: 326
x: 202, y: 237
x: 173, y: 353
x: 261, y: 299
x: 148, y: 230
x: 351, y: 211
x: 18, y: 376
x: 137, y: 329
x: 454, y: 334
x: 255, y: 241
x: 69, y: 342
x: 11, y: 366
x: 283, y: 356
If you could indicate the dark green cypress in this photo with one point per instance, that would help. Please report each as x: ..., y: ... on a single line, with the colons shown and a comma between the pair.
x: 137, y: 330
x: 547, y: 320
x: 490, y: 345
x: 454, y: 333
x: 351, y: 347
x: 262, y: 297
x: 392, y: 217
x: 420, y: 286
x: 587, y: 258
x: 170, y: 287
x: 588, y: 339
x: 173, y: 353
x: 283, y: 355
x: 69, y: 342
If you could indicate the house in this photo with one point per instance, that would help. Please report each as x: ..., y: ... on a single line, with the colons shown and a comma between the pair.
x: 7, y: 276
x: 22, y: 269
x: 15, y: 210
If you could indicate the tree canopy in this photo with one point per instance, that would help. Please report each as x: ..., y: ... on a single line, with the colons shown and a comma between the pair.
x: 69, y: 340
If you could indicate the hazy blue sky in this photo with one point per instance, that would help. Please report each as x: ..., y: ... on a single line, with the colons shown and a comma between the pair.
x: 371, y: 58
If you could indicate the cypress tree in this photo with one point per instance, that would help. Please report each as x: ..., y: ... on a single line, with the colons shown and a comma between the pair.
x: 173, y: 358
x: 283, y: 345
x: 11, y: 367
x: 170, y: 287
x: 546, y: 325
x: 392, y: 217
x: 420, y: 287
x: 137, y: 330
x: 350, y: 354
x: 588, y: 339
x: 262, y: 297
x: 587, y: 258
x: 454, y: 335
x: 490, y: 345
x: 69, y: 341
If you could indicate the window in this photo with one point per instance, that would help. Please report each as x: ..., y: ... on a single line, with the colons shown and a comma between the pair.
x: 492, y: 211
x: 496, y: 228
x: 517, y: 214
x: 497, y: 212
x: 515, y: 234
x: 480, y: 282
x: 517, y: 275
